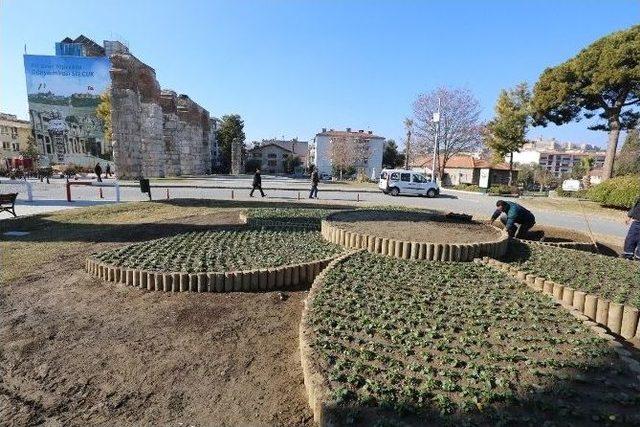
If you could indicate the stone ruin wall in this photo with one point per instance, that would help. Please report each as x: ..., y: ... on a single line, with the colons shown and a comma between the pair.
x: 156, y: 132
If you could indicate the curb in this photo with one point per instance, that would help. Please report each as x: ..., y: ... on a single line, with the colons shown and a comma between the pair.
x: 621, y: 319
x: 424, y: 251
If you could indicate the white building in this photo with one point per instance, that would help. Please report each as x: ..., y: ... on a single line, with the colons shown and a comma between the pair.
x: 556, y: 160
x: 362, y: 149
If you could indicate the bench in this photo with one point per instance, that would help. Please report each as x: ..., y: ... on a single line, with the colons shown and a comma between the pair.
x: 8, y: 203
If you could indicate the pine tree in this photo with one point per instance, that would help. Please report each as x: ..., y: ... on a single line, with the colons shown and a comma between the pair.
x: 628, y: 159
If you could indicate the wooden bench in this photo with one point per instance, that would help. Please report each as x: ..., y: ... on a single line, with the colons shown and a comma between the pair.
x: 8, y: 203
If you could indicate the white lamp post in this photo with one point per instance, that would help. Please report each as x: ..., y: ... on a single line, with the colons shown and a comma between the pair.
x: 436, y: 120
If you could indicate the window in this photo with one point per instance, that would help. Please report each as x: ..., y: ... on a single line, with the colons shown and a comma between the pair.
x: 406, y: 177
x: 285, y: 156
x: 418, y: 178
x: 15, y: 146
x: 5, y: 145
x: 272, y: 155
x: 395, y: 176
x: 272, y: 163
x: 48, y: 145
x: 384, y: 175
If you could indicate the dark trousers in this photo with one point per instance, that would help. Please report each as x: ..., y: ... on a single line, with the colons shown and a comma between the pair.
x: 314, y: 191
x: 524, y: 227
x: 632, y: 241
x: 259, y: 187
x: 99, y: 179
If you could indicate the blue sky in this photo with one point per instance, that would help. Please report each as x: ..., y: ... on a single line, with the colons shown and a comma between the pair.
x: 293, y: 67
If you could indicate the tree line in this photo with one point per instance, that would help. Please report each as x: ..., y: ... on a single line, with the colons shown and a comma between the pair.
x: 601, y: 82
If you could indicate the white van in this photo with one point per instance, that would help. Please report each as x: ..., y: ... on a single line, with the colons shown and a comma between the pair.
x: 402, y: 181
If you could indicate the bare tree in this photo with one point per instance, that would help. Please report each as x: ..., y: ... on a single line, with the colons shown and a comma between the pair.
x: 460, y: 127
x: 349, y: 151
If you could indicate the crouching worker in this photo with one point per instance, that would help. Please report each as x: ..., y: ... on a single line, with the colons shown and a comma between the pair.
x: 632, y: 242
x: 516, y: 219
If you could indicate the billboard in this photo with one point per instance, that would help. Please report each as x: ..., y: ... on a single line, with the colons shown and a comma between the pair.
x: 63, y: 94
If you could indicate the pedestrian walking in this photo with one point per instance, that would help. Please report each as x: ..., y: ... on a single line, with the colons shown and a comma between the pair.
x: 516, y: 218
x: 98, y: 171
x: 107, y: 171
x: 314, y: 184
x: 632, y: 241
x: 257, y: 183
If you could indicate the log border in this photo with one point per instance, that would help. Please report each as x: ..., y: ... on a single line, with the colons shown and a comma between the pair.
x: 424, y: 251
x: 285, y: 277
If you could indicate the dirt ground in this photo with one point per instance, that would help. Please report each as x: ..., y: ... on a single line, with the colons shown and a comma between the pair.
x: 554, y: 234
x: 415, y: 226
x: 78, y: 351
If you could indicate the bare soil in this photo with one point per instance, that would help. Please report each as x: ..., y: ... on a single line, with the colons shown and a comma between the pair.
x: 548, y: 233
x: 78, y: 351
x: 415, y: 226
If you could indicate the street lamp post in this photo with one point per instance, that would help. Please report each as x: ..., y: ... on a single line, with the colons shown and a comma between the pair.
x: 436, y: 149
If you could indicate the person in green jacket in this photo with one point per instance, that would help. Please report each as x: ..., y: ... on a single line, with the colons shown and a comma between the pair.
x: 516, y: 215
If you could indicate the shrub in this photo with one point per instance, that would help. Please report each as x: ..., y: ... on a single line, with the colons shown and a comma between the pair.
x: 620, y: 192
x: 502, y: 189
x: 467, y: 187
x: 580, y: 194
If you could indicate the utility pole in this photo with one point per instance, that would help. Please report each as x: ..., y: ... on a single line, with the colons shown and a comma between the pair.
x: 436, y: 149
x: 408, y: 123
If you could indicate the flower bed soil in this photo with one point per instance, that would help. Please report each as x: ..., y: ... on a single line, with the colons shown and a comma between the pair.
x: 549, y: 234
x: 413, y: 226
x: 455, y: 343
x: 615, y: 279
x: 285, y: 217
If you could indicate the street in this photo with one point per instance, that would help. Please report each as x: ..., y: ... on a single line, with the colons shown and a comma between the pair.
x: 51, y: 197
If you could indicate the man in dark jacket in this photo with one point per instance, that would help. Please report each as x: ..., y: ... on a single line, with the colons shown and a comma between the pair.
x: 632, y: 241
x: 257, y: 183
x: 98, y: 171
x: 517, y: 217
x: 314, y: 184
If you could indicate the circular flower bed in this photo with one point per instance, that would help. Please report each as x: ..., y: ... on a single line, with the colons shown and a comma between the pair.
x: 218, y: 260
x: 456, y: 344
x: 414, y: 235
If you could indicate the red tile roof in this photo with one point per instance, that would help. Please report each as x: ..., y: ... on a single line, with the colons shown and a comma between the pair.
x: 462, y: 162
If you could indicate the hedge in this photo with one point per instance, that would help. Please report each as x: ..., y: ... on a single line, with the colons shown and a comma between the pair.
x: 620, y: 192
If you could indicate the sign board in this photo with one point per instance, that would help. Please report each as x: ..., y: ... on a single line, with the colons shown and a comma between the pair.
x: 63, y: 94
x: 484, y: 178
x: 571, y: 185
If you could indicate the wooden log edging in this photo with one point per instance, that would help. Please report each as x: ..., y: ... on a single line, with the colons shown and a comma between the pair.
x: 320, y: 400
x: 621, y: 319
x: 286, y: 277
x: 580, y: 246
x: 425, y: 251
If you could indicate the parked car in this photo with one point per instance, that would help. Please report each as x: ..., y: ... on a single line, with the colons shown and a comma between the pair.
x: 325, y: 176
x: 402, y: 181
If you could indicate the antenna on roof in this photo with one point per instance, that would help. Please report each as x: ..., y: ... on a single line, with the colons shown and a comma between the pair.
x: 25, y: 48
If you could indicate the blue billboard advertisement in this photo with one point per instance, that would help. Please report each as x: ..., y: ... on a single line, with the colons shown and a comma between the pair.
x: 63, y: 93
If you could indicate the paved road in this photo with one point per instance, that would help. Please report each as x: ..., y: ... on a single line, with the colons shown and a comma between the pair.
x: 50, y: 197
